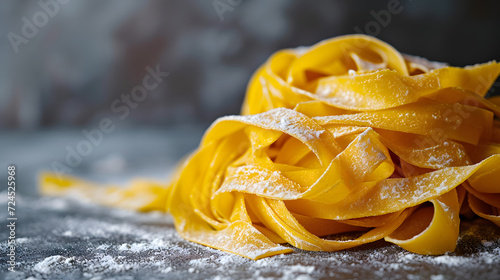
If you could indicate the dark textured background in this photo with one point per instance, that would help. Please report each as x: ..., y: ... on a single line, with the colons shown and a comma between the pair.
x: 91, y: 52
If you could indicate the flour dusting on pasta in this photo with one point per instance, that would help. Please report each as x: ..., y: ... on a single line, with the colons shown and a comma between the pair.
x: 345, y: 136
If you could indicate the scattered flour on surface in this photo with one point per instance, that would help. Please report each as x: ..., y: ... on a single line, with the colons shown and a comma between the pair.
x: 53, y: 263
x: 166, y: 269
x: 23, y: 240
x: 155, y: 244
x: 437, y: 277
x: 137, y: 243
x: 486, y: 243
x: 103, y: 247
x: 450, y: 260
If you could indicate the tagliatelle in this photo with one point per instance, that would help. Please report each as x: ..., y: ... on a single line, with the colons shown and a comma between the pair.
x: 345, y: 137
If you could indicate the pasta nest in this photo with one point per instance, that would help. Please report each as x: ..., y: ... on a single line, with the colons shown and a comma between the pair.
x: 339, y: 144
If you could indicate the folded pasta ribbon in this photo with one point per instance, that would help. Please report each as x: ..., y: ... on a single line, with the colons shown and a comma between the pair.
x: 347, y: 137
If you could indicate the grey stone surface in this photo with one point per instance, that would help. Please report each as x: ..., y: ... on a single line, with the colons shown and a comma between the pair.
x: 65, y: 239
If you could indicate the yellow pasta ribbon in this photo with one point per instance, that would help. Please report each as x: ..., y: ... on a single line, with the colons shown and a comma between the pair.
x: 346, y: 137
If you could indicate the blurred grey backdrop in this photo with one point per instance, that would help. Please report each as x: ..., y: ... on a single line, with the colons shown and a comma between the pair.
x: 115, y: 89
x: 64, y: 62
